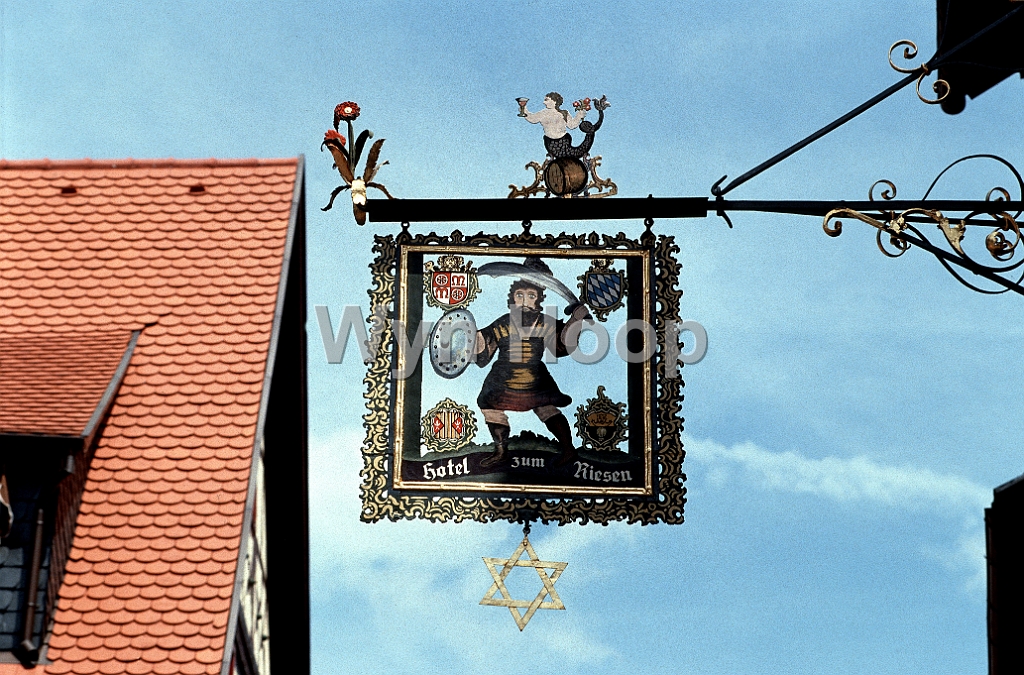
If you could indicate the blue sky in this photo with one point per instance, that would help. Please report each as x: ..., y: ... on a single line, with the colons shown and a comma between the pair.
x: 853, y: 413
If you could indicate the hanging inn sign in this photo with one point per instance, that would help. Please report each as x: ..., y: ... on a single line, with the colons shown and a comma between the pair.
x: 521, y: 377
x: 527, y: 377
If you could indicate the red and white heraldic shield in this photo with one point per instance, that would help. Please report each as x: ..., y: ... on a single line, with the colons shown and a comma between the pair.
x: 449, y: 288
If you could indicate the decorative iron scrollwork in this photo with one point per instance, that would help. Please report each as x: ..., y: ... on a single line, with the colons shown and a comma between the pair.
x: 533, y: 188
x: 940, y: 87
x: 896, y: 232
x: 593, y: 189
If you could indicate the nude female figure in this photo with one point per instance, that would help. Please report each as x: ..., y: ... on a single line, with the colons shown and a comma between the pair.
x: 557, y: 122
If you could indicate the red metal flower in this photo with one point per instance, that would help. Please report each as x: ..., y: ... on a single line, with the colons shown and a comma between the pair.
x: 583, y: 104
x: 332, y: 134
x: 347, y: 111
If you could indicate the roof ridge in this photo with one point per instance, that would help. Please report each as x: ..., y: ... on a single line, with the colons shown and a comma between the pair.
x: 130, y: 162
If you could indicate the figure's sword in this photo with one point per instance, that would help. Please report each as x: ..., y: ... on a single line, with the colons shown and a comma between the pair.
x: 540, y: 279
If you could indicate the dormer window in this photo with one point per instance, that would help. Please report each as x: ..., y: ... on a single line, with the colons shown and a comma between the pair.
x: 55, y: 391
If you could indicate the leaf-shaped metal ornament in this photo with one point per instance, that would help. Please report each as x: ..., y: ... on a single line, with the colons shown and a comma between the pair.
x: 335, y: 146
x: 373, y: 175
x: 334, y: 195
x: 340, y: 159
x: 359, y: 213
x: 371, y: 161
x: 346, y: 172
x: 360, y: 142
x: 380, y: 187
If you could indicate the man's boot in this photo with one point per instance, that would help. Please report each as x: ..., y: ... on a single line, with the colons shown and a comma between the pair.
x: 559, y: 426
x: 499, y: 432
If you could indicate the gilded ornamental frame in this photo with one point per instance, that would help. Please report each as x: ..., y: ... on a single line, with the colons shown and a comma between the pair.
x: 383, y: 492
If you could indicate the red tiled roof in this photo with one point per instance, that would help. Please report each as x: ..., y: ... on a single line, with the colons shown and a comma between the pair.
x: 190, y: 252
x: 75, y: 369
x: 17, y: 669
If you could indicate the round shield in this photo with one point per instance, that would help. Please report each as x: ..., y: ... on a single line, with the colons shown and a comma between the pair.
x: 452, y: 342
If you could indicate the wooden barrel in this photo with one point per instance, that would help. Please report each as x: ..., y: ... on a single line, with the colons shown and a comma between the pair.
x: 565, y: 176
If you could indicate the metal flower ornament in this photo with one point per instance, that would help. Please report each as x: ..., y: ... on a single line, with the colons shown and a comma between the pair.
x: 347, y: 160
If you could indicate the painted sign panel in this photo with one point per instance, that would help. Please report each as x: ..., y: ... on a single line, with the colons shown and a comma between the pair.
x: 498, y: 390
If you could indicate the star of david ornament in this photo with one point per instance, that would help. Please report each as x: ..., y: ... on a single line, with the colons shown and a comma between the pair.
x: 500, y: 569
x: 603, y: 288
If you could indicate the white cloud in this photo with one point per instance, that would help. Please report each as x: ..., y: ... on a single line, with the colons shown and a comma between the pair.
x: 966, y: 556
x: 420, y: 582
x: 862, y: 480
x: 855, y: 479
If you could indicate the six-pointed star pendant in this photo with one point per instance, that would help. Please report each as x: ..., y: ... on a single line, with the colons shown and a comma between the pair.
x: 500, y: 569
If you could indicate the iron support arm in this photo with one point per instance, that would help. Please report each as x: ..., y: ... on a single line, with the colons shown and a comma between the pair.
x: 518, y: 210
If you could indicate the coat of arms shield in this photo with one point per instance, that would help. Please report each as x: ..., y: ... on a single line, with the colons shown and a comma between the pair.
x: 603, y: 288
x: 601, y: 423
x: 448, y: 426
x: 450, y: 283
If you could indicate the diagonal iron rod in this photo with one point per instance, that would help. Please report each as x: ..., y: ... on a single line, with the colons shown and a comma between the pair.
x: 800, y: 145
x: 935, y: 62
x: 968, y: 265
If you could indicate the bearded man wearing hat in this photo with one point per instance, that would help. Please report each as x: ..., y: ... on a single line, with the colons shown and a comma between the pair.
x: 519, y: 380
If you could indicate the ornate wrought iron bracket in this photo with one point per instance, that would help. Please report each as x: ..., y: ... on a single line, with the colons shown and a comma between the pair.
x: 896, y: 232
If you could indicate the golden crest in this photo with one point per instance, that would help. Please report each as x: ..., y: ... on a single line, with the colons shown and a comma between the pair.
x: 450, y: 283
x: 448, y: 426
x: 601, y: 423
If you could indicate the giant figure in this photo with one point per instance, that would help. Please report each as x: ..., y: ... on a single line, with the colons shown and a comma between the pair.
x: 519, y: 380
